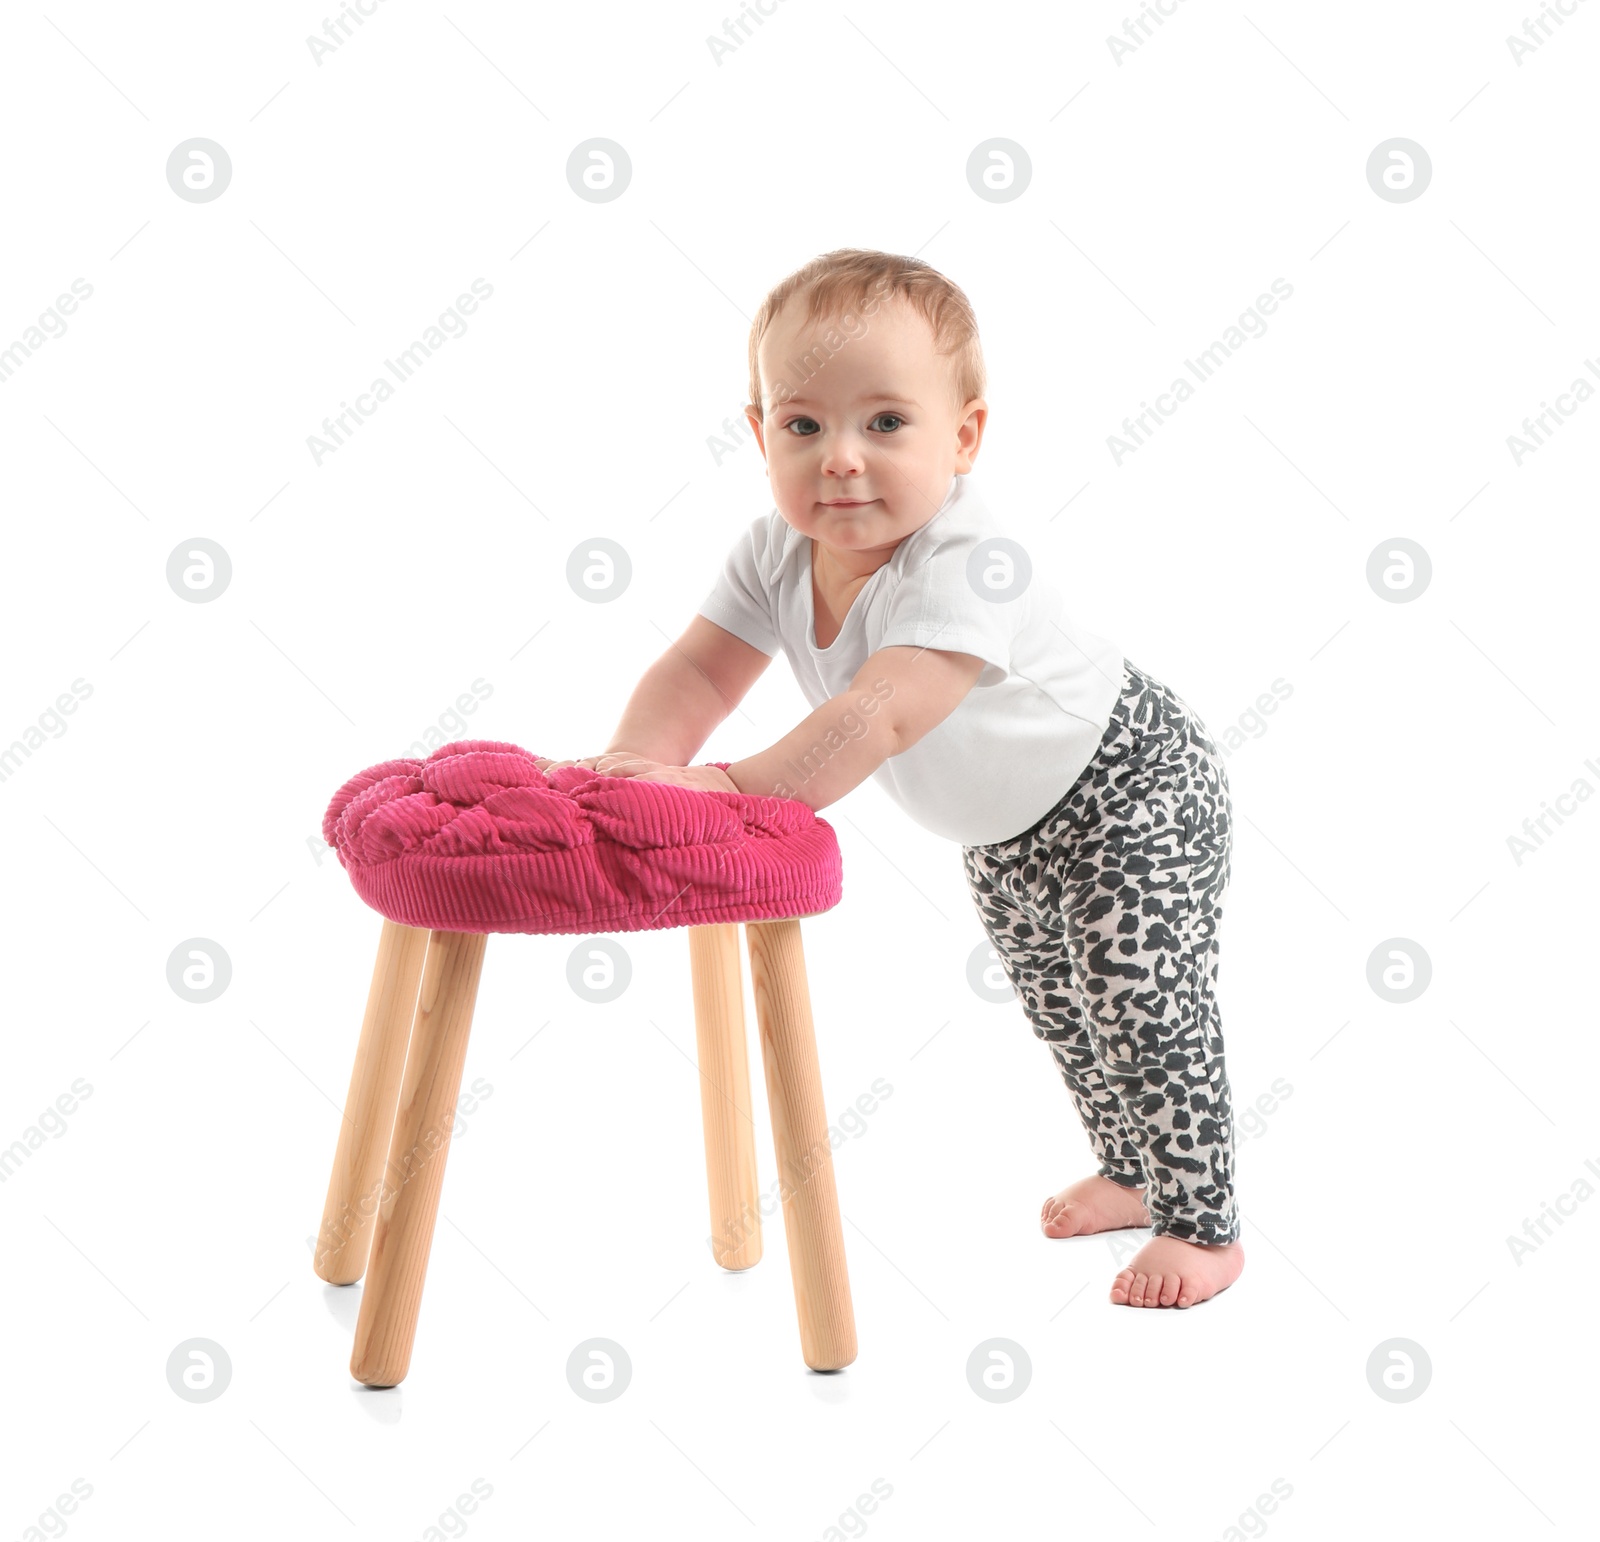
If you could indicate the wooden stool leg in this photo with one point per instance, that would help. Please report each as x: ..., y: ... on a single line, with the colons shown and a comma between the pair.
x: 725, y: 1094
x: 417, y: 1151
x: 353, y: 1188
x: 800, y: 1136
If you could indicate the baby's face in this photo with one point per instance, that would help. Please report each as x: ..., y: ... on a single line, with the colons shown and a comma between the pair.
x: 875, y: 423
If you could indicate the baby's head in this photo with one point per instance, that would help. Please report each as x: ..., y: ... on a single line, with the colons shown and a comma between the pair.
x: 866, y: 383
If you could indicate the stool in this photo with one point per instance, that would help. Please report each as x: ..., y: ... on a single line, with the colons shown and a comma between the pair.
x: 478, y: 838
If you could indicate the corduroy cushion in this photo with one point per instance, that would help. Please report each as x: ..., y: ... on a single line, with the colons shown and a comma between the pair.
x: 476, y: 838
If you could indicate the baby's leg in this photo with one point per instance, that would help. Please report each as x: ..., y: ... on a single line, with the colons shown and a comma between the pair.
x: 1140, y: 876
x: 1033, y: 954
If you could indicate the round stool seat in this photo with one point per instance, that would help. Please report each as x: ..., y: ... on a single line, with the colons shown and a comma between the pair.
x: 476, y: 838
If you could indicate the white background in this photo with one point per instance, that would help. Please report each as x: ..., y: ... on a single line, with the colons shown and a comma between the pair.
x: 368, y: 592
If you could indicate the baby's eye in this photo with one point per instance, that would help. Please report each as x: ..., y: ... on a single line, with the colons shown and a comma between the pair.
x: 895, y: 416
x: 796, y: 422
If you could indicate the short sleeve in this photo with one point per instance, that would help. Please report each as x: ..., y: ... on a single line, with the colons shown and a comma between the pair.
x: 936, y: 606
x: 740, y: 601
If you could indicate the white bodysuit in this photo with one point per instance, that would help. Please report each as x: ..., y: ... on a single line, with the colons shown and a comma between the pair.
x: 1020, y: 737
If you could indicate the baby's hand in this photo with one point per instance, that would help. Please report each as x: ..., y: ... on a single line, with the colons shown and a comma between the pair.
x: 615, y: 763
x: 704, y: 778
x: 589, y: 762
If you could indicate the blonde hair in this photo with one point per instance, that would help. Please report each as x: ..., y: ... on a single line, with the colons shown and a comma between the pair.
x: 853, y: 282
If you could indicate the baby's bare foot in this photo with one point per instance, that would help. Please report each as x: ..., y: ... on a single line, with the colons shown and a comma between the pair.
x: 1092, y: 1204
x: 1169, y: 1272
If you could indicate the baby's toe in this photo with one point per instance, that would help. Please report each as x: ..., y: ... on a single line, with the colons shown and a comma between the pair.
x: 1171, y: 1284
x: 1120, y: 1288
x: 1061, y: 1223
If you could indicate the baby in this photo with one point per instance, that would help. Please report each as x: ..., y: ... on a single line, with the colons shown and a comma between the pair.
x: 1089, y: 802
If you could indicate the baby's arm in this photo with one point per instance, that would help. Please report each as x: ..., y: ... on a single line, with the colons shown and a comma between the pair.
x: 690, y: 689
x: 898, y: 695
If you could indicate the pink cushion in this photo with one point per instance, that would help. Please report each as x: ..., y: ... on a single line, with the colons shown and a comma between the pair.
x: 476, y: 838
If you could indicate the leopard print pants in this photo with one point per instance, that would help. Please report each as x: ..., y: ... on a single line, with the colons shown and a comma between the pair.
x: 1104, y: 917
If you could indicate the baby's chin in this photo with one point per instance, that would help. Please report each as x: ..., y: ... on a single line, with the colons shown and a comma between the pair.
x: 865, y: 527
x: 850, y: 532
